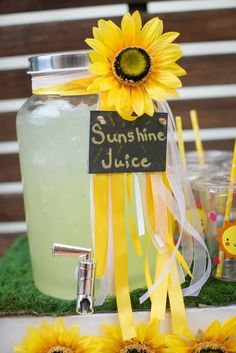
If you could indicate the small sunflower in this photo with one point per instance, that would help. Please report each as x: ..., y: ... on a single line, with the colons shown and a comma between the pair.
x: 148, y: 340
x: 227, y: 239
x: 218, y: 338
x: 55, y: 338
x: 133, y: 65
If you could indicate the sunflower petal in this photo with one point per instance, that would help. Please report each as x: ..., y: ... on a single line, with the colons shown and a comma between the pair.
x: 123, y: 103
x: 148, y: 105
x: 108, y: 83
x: 95, y: 56
x: 169, y: 79
x: 114, y: 27
x: 137, y: 20
x: 128, y: 30
x: 175, y: 69
x: 123, y: 98
x: 125, y: 21
x: 105, y: 103
x: 94, y: 87
x: 154, y: 90
x: 231, y: 345
x: 228, y: 328
x: 212, y: 331
x: 99, y: 47
x: 164, y: 40
x: 113, y: 94
x: 170, y: 92
x: 110, y: 35
x: 177, y: 342
x: 137, y: 100
x: 100, y: 68
x: 152, y: 30
x: 169, y: 55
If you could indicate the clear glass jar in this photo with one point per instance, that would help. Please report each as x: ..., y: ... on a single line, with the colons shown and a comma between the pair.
x: 53, y: 135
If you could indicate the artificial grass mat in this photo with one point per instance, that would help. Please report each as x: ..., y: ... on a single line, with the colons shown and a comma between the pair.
x: 19, y: 296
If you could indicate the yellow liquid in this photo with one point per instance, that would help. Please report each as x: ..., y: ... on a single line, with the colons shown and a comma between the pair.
x: 54, y: 143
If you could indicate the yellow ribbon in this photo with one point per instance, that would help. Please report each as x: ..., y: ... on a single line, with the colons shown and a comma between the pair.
x: 100, y: 185
x: 159, y: 297
x: 171, y: 283
x: 175, y: 294
x: 120, y: 257
x: 71, y: 88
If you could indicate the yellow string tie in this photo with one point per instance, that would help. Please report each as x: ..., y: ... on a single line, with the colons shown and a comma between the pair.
x: 175, y: 294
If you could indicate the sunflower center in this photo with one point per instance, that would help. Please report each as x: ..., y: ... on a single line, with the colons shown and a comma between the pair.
x: 209, y: 347
x: 60, y: 349
x: 136, y: 348
x: 132, y: 66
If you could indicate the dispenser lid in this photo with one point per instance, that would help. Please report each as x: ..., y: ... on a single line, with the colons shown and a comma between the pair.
x: 59, y: 62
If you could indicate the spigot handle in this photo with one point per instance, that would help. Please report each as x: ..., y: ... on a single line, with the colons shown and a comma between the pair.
x: 69, y: 250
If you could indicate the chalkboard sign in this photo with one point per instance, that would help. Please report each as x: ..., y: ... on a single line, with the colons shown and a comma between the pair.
x: 121, y: 146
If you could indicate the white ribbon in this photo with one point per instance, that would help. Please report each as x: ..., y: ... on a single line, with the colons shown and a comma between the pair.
x: 139, y: 207
x: 181, y: 189
x: 201, y: 254
x: 160, y: 222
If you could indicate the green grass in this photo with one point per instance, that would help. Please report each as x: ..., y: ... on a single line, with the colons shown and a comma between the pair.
x: 19, y: 296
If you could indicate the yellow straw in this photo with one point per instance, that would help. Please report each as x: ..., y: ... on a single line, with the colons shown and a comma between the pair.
x: 178, y: 121
x: 198, y: 142
x: 227, y: 210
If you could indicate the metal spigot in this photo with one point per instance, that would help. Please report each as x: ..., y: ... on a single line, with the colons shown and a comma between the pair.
x: 86, y: 275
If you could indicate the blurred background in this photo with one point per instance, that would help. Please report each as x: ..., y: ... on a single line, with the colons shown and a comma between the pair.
x: 31, y: 27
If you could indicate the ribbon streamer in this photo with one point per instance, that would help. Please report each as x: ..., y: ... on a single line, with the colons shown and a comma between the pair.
x: 121, y: 257
x: 133, y: 229
x: 100, y: 190
x: 161, y: 194
x: 180, y: 187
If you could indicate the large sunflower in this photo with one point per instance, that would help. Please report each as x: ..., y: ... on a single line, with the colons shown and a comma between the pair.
x: 134, y: 65
x: 216, y: 339
x: 148, y: 340
x: 55, y: 338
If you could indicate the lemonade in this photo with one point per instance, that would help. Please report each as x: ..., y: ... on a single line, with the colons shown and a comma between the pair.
x: 53, y: 134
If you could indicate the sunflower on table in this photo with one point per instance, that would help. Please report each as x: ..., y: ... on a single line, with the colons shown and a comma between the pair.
x: 55, y: 338
x: 148, y: 340
x: 218, y: 338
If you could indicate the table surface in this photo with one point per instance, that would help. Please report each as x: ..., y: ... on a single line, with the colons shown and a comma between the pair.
x: 13, y: 329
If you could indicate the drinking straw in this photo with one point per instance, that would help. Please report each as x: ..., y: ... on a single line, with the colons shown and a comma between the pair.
x: 227, y: 209
x: 198, y: 142
x: 179, y: 129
